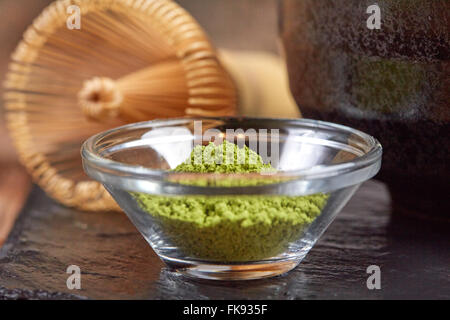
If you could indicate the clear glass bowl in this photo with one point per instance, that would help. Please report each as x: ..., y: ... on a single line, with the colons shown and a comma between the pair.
x: 232, y: 226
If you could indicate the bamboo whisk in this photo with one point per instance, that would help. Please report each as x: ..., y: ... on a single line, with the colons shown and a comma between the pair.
x: 132, y: 60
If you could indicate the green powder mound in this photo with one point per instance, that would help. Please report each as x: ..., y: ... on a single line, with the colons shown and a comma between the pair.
x: 224, y: 158
x: 238, y: 228
x: 231, y: 228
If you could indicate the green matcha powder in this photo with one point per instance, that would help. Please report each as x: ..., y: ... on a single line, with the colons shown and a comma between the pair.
x: 231, y: 228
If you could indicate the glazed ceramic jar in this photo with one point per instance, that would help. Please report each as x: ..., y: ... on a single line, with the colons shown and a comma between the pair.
x: 391, y: 80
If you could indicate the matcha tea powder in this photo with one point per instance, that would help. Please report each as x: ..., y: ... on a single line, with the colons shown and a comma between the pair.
x: 224, y: 158
x: 230, y: 228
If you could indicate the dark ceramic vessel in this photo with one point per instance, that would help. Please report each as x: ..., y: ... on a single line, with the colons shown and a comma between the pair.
x: 391, y: 82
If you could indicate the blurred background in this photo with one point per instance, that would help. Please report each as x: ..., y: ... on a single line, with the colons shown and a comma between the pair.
x: 238, y: 25
x: 231, y: 24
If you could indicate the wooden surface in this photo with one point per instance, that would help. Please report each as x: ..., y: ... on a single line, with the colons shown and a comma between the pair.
x: 15, y: 16
x: 116, y: 262
x: 14, y: 187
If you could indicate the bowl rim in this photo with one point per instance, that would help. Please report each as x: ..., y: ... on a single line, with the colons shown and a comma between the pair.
x: 93, y: 159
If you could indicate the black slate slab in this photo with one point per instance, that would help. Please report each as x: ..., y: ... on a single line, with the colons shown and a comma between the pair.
x: 117, y: 263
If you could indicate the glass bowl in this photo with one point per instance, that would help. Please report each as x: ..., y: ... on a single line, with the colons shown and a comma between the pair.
x: 232, y: 226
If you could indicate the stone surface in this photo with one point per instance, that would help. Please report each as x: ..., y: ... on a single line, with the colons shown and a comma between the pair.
x: 117, y: 263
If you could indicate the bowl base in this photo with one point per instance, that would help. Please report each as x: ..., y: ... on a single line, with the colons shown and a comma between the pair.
x: 235, y: 271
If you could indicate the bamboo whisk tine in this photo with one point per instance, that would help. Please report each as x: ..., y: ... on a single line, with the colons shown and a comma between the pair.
x: 132, y: 60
